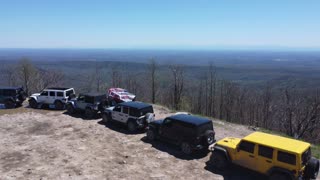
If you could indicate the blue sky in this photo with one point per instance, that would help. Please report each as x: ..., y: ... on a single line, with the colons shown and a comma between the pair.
x: 199, y: 24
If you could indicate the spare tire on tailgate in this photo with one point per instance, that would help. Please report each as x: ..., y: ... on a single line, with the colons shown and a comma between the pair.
x: 209, y: 135
x: 312, y: 169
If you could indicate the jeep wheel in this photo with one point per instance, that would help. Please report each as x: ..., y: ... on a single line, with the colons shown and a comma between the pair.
x: 312, y: 169
x: 186, y: 148
x: 58, y: 105
x: 9, y: 104
x: 209, y: 137
x: 132, y: 126
x: 151, y: 135
x: 218, y: 160
x: 89, y: 113
x: 33, y: 103
x: 279, y: 176
x: 106, y: 118
x: 70, y: 109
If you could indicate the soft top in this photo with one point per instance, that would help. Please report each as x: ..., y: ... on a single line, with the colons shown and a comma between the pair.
x: 135, y: 104
x: 195, y: 120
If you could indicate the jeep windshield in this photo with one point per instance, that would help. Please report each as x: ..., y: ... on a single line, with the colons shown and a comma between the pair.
x: 68, y: 93
x: 201, y: 129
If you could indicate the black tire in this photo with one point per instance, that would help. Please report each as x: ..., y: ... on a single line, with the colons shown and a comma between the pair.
x: 9, y: 104
x: 33, y: 103
x: 151, y: 135
x: 71, y: 96
x: 219, y: 160
x: 186, y: 148
x: 58, y: 105
x: 312, y: 169
x: 89, y: 113
x: 106, y: 118
x: 209, y: 135
x: 132, y: 126
x: 279, y: 176
x: 70, y: 109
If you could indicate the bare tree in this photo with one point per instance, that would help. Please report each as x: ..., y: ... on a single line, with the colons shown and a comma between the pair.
x: 178, y: 84
x: 153, y: 68
x: 27, y: 71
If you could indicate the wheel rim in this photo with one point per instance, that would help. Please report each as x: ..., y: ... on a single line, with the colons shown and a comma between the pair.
x: 210, y: 139
x: 186, y: 148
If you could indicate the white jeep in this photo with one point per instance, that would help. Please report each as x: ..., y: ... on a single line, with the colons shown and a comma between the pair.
x: 52, y: 96
x: 135, y: 115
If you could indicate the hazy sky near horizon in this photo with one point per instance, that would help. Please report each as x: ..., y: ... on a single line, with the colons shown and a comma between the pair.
x: 159, y: 24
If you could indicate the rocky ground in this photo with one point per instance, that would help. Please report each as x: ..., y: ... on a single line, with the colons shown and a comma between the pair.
x: 48, y: 144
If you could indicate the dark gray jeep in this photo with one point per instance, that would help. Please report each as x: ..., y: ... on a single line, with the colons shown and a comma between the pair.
x: 188, y: 131
x: 90, y: 103
x: 12, y: 97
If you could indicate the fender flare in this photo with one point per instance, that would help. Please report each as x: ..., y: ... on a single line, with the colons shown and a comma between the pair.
x: 223, y: 150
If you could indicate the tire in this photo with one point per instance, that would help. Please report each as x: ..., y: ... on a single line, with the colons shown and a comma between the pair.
x: 209, y: 135
x: 106, y: 118
x: 33, y: 103
x: 132, y: 126
x: 312, y: 169
x: 279, y: 176
x: 70, y: 109
x: 58, y: 105
x: 89, y: 113
x: 219, y: 160
x: 186, y: 148
x: 9, y: 104
x: 151, y: 135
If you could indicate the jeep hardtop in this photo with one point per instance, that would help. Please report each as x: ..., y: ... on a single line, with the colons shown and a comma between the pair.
x: 275, y: 156
x: 12, y: 97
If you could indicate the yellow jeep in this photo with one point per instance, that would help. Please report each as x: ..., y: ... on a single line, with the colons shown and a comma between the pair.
x: 275, y: 156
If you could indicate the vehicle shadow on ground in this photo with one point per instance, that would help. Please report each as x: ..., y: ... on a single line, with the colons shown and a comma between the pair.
x: 80, y: 115
x: 119, y: 127
x: 174, y: 150
x: 235, y: 173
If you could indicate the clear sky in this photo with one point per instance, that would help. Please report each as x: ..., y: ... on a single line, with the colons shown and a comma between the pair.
x: 159, y: 23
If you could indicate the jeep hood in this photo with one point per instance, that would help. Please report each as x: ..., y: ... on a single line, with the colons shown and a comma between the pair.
x: 35, y: 94
x: 229, y: 142
x: 158, y: 122
x: 109, y: 108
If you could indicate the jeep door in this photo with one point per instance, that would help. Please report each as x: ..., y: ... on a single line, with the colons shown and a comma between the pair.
x: 245, y: 155
x: 43, y: 98
x: 80, y: 103
x: 265, y: 158
x: 51, y: 97
x: 168, y: 129
x: 117, y: 113
x: 125, y: 113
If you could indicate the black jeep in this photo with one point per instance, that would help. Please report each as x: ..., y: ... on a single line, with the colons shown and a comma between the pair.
x: 90, y: 103
x: 12, y: 97
x: 188, y: 131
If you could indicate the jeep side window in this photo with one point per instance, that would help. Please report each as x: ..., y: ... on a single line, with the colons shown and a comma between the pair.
x: 52, y: 93
x: 167, y: 122
x: 81, y: 98
x: 60, y: 94
x: 117, y: 108
x: 125, y: 110
x: 286, y: 157
x: 44, y: 93
x: 246, y: 146
x: 265, y: 151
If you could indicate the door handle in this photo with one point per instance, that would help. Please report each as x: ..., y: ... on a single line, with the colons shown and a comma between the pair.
x: 268, y: 161
x: 252, y: 156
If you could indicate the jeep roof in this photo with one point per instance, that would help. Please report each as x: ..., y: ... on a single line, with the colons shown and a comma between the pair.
x: 195, y: 120
x: 57, y: 88
x: 283, y: 143
x: 135, y: 104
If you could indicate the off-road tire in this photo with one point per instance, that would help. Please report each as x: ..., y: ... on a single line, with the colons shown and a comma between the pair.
x: 89, y: 113
x: 9, y: 104
x: 186, y: 148
x: 279, y: 176
x: 209, y: 135
x: 58, y: 105
x: 151, y: 135
x: 132, y: 126
x: 312, y: 169
x: 33, y: 103
x: 219, y: 160
x: 70, y: 109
